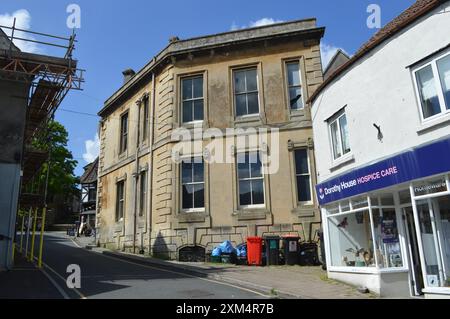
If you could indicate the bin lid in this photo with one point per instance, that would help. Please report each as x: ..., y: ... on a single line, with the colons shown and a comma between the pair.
x: 254, y: 239
x: 293, y: 237
x: 273, y: 237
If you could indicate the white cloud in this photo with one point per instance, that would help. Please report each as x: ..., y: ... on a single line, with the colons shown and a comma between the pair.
x: 23, y: 21
x: 328, y: 51
x: 257, y: 23
x: 92, y: 149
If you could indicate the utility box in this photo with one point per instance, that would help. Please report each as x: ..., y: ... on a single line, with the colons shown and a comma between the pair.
x: 272, y: 244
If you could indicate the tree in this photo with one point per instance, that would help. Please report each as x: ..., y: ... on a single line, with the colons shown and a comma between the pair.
x: 62, y: 182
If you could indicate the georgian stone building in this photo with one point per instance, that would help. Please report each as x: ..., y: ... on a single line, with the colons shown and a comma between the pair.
x: 159, y: 198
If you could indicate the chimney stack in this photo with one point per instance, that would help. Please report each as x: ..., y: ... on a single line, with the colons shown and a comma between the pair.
x: 127, y: 75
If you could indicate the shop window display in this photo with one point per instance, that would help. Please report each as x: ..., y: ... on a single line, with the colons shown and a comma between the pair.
x: 351, y: 240
x: 387, y: 241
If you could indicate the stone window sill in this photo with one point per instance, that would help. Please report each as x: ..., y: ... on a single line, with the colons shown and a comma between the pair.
x: 194, y: 217
x: 251, y: 214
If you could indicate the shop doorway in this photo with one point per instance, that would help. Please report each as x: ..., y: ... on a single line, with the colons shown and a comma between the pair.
x: 417, y: 283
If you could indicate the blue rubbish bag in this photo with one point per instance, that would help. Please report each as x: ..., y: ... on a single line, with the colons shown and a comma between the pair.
x: 227, y: 247
x: 241, y: 250
x: 217, y: 252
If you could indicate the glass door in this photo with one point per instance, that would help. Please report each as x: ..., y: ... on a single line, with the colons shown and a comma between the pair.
x: 435, y: 242
x: 413, y: 252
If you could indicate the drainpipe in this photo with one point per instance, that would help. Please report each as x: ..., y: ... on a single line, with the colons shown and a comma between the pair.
x: 136, y: 175
x: 150, y: 166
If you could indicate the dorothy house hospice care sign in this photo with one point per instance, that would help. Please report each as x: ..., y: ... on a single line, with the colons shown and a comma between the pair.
x: 428, y: 160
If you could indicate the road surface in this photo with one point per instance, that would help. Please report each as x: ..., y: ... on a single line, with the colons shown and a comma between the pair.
x: 105, y: 277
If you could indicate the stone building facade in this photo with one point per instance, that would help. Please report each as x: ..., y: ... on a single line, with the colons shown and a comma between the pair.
x: 153, y: 199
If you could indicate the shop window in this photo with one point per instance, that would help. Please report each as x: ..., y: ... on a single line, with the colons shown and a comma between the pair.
x: 350, y: 240
x: 193, y: 184
x: 430, y: 187
x: 386, y: 200
x: 433, y: 86
x: 332, y: 209
x: 360, y: 202
x: 387, y: 240
x: 345, y: 206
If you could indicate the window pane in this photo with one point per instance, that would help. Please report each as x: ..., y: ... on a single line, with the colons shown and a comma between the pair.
x: 252, y: 84
x: 187, y: 112
x: 253, y: 105
x: 258, y: 192
x: 444, y: 74
x: 198, y: 172
x: 344, y: 134
x: 188, y: 196
x: 301, y: 162
x: 295, y: 98
x: 239, y: 81
x: 293, y: 74
x: 428, y: 93
x: 198, y: 110
x: 350, y: 240
x: 303, y: 188
x: 429, y: 244
x: 199, y: 196
x: 244, y: 193
x: 187, y: 89
x: 387, y: 239
x: 255, y: 165
x: 198, y: 87
x: 241, y: 105
x: 186, y: 172
x: 335, y: 140
x: 243, y: 167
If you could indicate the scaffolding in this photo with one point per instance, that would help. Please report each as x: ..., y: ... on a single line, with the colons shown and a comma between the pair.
x: 49, y: 78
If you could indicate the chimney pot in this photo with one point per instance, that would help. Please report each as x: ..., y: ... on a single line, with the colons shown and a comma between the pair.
x: 127, y: 75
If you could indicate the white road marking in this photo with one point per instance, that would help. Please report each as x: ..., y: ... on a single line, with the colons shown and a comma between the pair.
x: 54, y: 283
x: 58, y: 287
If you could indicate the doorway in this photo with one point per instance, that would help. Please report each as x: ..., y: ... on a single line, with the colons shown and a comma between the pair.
x: 416, y: 274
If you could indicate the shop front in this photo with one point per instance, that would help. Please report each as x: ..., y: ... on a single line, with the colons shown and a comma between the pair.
x: 387, y: 225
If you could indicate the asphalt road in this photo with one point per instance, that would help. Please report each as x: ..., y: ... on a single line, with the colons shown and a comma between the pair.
x: 104, y: 277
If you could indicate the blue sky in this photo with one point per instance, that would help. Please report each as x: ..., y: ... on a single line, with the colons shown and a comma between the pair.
x: 116, y: 35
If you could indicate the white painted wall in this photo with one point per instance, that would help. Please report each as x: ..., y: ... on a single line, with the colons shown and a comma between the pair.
x: 380, y: 89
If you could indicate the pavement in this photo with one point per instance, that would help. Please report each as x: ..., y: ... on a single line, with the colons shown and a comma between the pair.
x: 26, y: 281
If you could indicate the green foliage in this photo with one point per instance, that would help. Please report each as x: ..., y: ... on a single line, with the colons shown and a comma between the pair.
x: 62, y: 180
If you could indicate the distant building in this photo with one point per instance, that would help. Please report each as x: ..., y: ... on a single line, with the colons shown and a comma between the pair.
x: 338, y: 60
x: 89, y: 193
x: 382, y: 135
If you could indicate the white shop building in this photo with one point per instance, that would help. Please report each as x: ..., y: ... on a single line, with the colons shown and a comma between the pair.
x: 382, y: 141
